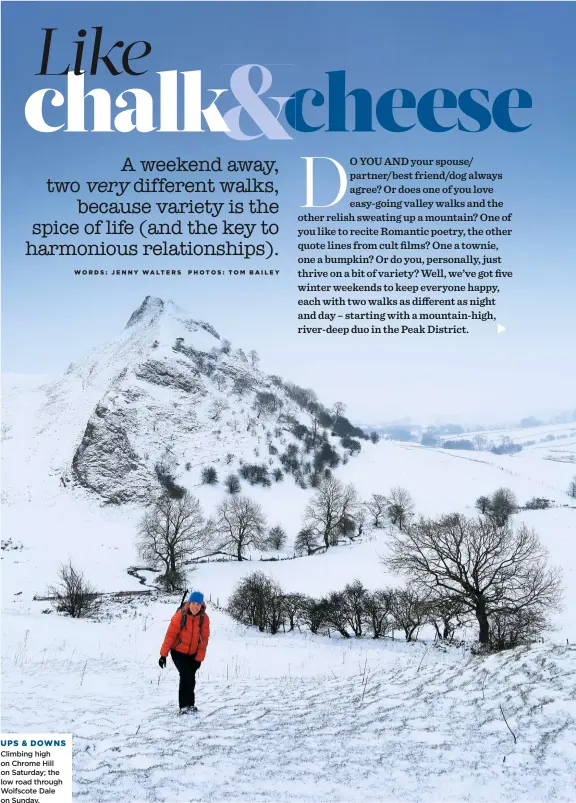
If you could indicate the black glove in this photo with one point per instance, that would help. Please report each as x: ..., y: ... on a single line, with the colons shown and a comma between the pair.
x: 162, y: 662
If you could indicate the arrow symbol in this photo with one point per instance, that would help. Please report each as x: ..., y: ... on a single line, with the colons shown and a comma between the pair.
x: 500, y: 328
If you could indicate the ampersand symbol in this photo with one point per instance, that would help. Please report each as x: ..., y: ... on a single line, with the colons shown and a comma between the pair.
x: 250, y: 102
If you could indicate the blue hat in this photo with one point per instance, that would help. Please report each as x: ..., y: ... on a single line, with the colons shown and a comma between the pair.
x: 196, y: 596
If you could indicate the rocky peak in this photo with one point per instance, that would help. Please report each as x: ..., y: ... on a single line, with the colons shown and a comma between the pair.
x: 148, y: 310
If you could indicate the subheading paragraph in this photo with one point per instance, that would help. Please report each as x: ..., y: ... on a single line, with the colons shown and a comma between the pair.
x: 196, y: 209
x: 417, y: 249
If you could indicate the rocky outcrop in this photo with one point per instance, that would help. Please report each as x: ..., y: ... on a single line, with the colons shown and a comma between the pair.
x: 105, y: 461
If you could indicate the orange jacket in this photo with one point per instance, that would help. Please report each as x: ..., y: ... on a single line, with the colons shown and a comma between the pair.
x: 189, y: 639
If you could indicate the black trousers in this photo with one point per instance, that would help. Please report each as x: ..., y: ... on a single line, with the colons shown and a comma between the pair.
x: 187, y: 666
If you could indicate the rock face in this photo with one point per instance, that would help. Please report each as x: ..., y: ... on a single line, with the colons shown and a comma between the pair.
x: 168, y: 398
x: 106, y: 463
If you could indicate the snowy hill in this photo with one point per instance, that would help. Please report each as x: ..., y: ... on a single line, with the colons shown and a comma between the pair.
x: 167, y: 398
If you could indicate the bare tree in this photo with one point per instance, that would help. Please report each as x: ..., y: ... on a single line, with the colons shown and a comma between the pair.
x: 258, y: 600
x: 378, y: 611
x: 400, y: 507
x: 316, y: 410
x: 330, y: 511
x: 510, y: 629
x: 75, y: 596
x: 293, y: 604
x: 232, y: 484
x: 355, y: 608
x: 447, y: 613
x: 276, y: 538
x: 410, y: 611
x: 339, y: 410
x: 360, y: 520
x: 483, y: 504
x: 313, y: 612
x: 572, y: 488
x: 241, y: 524
x: 351, y: 514
x: 322, y: 513
x: 377, y: 507
x: 306, y: 541
x: 336, y: 612
x: 503, y: 503
x: 490, y: 569
x: 171, y: 532
x: 481, y: 442
x: 254, y: 358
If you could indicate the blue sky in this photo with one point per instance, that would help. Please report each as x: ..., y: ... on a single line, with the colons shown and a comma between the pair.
x: 51, y: 317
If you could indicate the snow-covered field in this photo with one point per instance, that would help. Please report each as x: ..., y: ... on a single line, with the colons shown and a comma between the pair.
x: 285, y: 717
x: 293, y: 717
x: 548, y: 441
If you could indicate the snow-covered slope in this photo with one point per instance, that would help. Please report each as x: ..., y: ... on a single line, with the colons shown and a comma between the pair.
x: 294, y: 717
x: 290, y: 717
x: 168, y: 393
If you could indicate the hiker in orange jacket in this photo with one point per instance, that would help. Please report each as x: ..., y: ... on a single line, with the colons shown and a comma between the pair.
x: 186, y: 640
